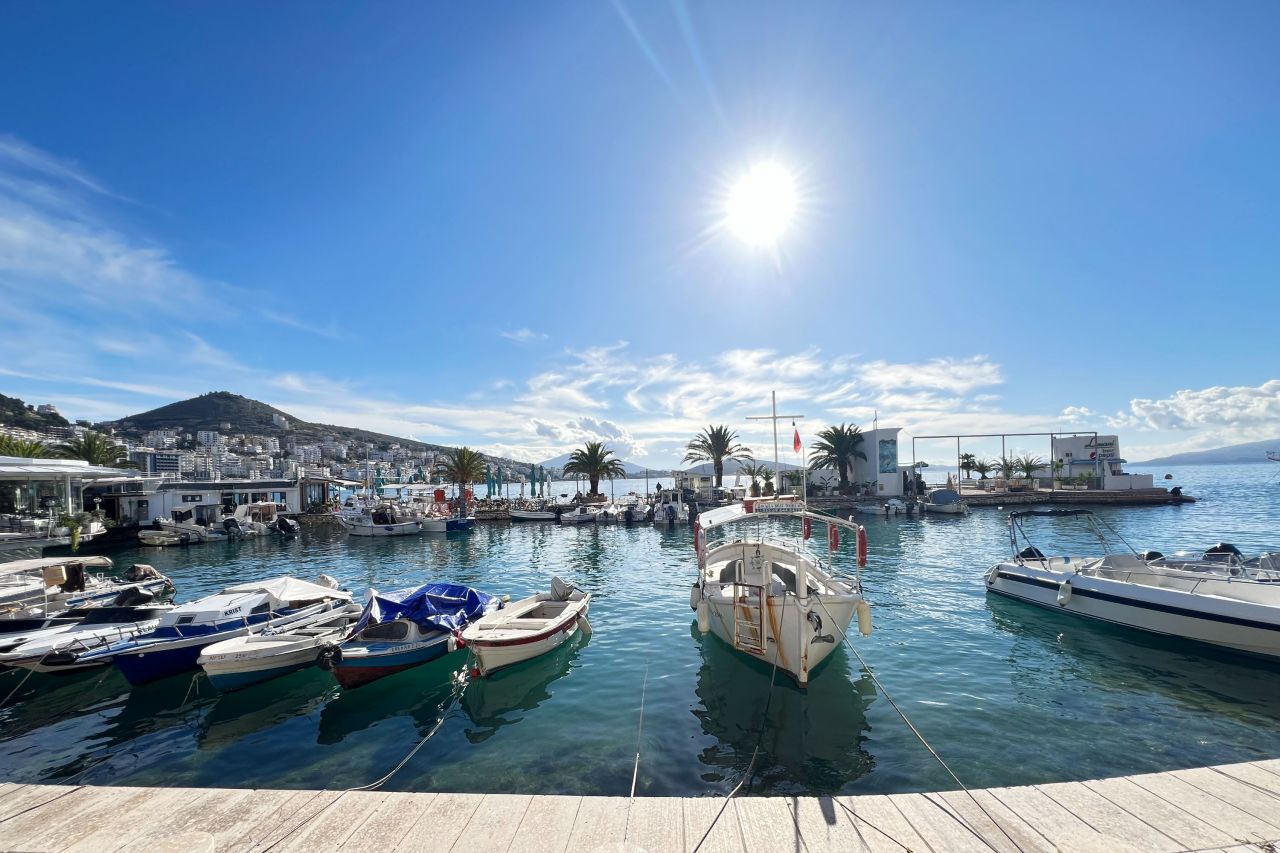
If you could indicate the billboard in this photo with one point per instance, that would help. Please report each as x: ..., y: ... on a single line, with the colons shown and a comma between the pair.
x: 888, y: 456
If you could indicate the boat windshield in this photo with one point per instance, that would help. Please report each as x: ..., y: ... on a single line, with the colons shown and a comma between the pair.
x: 394, y: 630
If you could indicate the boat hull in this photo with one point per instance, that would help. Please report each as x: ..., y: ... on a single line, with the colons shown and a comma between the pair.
x: 360, y: 664
x: 492, y: 656
x: 793, y: 644
x: 457, y: 524
x: 145, y: 666
x: 400, y: 528
x: 227, y: 679
x: 532, y: 515
x: 435, y: 525
x: 1234, y: 625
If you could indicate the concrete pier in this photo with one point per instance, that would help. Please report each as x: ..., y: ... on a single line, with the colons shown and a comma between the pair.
x: 1234, y: 807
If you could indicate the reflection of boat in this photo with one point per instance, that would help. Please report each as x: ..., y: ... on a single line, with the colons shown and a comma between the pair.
x: 243, y: 712
x: 527, y: 628
x: 490, y: 702
x: 812, y: 741
x: 405, y: 628
x: 769, y: 598
x: 420, y: 694
x: 1206, y: 605
x: 944, y: 502
x: 249, y: 659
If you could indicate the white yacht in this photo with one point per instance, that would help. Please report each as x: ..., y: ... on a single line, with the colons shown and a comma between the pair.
x: 381, y: 520
x: 1215, y: 603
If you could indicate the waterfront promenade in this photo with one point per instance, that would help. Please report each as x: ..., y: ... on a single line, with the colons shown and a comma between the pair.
x: 1232, y: 807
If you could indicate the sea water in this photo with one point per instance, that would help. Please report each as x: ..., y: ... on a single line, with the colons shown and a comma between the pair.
x: 1007, y: 693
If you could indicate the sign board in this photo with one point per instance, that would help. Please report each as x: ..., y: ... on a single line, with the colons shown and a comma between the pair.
x: 888, y: 453
x: 777, y: 507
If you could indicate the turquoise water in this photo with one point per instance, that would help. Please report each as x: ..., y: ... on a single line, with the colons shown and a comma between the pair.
x: 1007, y: 693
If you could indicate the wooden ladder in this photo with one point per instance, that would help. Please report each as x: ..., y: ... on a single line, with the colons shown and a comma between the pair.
x: 748, y: 619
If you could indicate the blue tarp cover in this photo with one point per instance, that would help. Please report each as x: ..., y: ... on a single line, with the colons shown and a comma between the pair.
x: 439, y: 606
x: 943, y: 496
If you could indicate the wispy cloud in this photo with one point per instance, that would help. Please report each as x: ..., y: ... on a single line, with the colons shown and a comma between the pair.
x: 523, y: 335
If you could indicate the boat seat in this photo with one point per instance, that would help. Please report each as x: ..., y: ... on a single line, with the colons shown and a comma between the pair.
x: 518, y: 625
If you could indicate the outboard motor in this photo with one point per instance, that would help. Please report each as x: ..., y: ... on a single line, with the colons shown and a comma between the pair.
x: 670, y: 512
x: 1149, y: 556
x: 75, y: 578
x: 132, y: 597
x: 1031, y: 553
x: 141, y: 572
x: 232, y: 526
x: 1224, y: 552
x: 287, y: 526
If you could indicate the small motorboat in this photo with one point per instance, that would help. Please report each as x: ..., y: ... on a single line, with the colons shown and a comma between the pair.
x: 45, y: 586
x: 381, y: 520
x: 16, y: 631
x: 164, y: 538
x: 582, y: 515
x: 61, y: 648
x: 944, y: 502
x: 282, y: 603
x: 251, y: 658
x: 405, y: 628
x: 1203, y: 603
x: 609, y: 514
x: 456, y: 524
x: 893, y: 506
x: 527, y: 628
x: 532, y: 515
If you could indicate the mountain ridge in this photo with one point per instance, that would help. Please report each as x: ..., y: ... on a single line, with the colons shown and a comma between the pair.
x: 1249, y: 453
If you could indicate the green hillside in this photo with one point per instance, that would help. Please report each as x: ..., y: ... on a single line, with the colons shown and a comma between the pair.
x: 16, y: 413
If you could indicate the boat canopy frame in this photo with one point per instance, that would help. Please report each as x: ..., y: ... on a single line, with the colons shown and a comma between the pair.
x: 1099, y: 527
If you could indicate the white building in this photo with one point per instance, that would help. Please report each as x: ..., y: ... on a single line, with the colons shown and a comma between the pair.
x: 280, y: 421
x: 878, y: 474
x: 1096, y: 456
x: 210, y: 438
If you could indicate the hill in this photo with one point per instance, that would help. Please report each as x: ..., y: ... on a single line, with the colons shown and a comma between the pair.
x: 632, y: 469
x: 1235, y: 454
x: 210, y: 411
x: 16, y: 413
x: 732, y: 466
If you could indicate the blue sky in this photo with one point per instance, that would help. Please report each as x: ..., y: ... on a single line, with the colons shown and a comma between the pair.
x: 501, y: 224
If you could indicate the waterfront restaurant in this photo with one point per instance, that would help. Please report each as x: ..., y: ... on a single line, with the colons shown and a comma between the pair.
x: 34, y: 490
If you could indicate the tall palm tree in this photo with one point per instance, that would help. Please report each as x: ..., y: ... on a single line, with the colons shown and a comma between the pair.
x: 94, y: 448
x: 10, y: 446
x: 462, y: 466
x: 1027, y: 465
x: 716, y: 444
x: 593, y: 462
x: 754, y: 471
x: 1006, y: 466
x: 966, y: 464
x: 837, y: 447
x: 982, y: 467
x: 767, y: 476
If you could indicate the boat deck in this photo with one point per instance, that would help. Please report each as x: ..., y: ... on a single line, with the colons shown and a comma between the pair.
x: 1233, y: 807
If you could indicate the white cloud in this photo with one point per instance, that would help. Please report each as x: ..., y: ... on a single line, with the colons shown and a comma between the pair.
x: 523, y: 335
x: 1241, y: 407
x: 958, y: 376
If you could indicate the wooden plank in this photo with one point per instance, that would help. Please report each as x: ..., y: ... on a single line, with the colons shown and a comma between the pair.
x: 7, y: 788
x: 699, y: 814
x: 28, y: 797
x: 1252, y: 775
x: 546, y: 825
x: 1189, y: 831
x: 43, y: 828
x: 114, y: 829
x: 1259, y: 803
x: 1000, y: 826
x: 493, y: 826
x: 600, y: 821
x: 258, y: 816
x: 1108, y: 818
x: 166, y: 815
x: 823, y: 825
x: 441, y: 824
x: 939, y: 826
x: 880, y: 824
x: 301, y: 813
x: 389, y: 823
x: 1210, y: 809
x: 767, y: 824
x: 1271, y: 765
x: 657, y: 823
x: 1062, y: 828
x: 331, y: 828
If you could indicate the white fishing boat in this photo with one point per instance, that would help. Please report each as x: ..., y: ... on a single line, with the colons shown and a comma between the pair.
x: 45, y: 586
x: 165, y: 538
x: 669, y: 508
x: 381, y: 520
x: 525, y: 629
x: 252, y: 658
x: 944, y: 502
x: 532, y: 515
x: 581, y: 515
x: 200, y: 524
x: 58, y: 649
x: 1203, y: 603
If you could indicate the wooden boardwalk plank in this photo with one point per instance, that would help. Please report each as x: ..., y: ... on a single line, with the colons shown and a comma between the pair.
x: 600, y: 821
x: 938, y: 825
x: 1210, y: 809
x: 880, y: 824
x: 1000, y: 826
x: 441, y: 824
x: 657, y: 823
x: 546, y: 825
x: 161, y: 816
x: 767, y: 824
x: 331, y: 829
x: 389, y: 823
x: 1251, y: 775
x: 824, y: 825
x: 699, y: 815
x: 28, y: 797
x: 69, y: 816
x: 493, y: 826
x: 300, y: 813
x: 1259, y: 803
x: 1108, y: 818
x: 1057, y: 824
x: 1189, y: 831
x: 256, y: 817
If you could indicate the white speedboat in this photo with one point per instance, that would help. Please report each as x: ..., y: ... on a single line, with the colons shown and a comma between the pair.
x: 42, y: 587
x: 251, y: 658
x: 532, y: 515
x: 58, y: 649
x: 581, y: 515
x: 165, y: 538
x: 770, y: 598
x: 527, y: 628
x: 944, y: 502
x: 1198, y: 603
x: 382, y: 520
x: 891, y: 507
x: 202, y: 524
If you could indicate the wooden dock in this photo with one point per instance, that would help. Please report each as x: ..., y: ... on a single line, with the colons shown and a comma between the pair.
x: 1234, y: 807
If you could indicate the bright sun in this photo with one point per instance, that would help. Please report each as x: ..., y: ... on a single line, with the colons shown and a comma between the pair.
x: 761, y: 204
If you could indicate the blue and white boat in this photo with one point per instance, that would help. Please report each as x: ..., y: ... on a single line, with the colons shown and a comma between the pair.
x: 405, y: 628
x: 283, y: 603
x: 459, y: 523
x: 252, y: 658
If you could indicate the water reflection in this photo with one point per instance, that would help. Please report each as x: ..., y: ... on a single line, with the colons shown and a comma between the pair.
x: 419, y: 693
x: 812, y: 740
x: 497, y: 701
x: 240, y: 713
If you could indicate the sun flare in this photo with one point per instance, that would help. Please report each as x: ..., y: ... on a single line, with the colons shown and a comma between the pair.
x: 761, y: 204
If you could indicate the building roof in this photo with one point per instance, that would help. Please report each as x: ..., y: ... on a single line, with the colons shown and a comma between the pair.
x: 19, y: 468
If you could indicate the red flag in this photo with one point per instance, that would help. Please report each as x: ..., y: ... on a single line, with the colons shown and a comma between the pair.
x: 796, y: 442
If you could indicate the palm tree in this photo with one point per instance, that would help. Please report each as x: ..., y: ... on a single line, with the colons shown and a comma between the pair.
x: 1006, y: 466
x: 966, y: 464
x: 837, y: 447
x: 10, y: 446
x: 1027, y: 465
x: 754, y: 471
x: 716, y: 444
x: 767, y: 476
x: 462, y: 466
x: 593, y: 462
x: 982, y: 467
x: 94, y: 448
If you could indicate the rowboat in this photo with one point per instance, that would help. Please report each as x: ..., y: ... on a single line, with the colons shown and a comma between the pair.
x: 251, y: 658
x: 527, y: 628
x: 532, y: 515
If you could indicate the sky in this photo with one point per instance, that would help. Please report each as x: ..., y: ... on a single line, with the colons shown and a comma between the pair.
x: 504, y: 224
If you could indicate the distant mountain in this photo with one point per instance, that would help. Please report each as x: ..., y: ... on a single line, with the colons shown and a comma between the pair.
x: 210, y: 411
x: 15, y: 413
x: 732, y: 466
x: 1235, y: 454
x: 632, y: 469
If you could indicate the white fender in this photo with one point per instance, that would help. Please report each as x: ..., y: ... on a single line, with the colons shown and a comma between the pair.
x: 451, y: 644
x: 695, y: 595
x: 864, y: 617
x: 704, y: 617
x: 1064, y: 592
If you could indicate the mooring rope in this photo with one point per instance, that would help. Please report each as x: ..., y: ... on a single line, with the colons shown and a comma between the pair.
x: 915, y: 731
x: 635, y: 770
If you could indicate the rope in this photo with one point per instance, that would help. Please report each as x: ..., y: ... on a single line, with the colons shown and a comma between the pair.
x: 30, y: 672
x: 635, y: 771
x: 921, y: 738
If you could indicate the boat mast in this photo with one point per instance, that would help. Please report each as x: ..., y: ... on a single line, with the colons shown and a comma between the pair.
x: 777, y: 466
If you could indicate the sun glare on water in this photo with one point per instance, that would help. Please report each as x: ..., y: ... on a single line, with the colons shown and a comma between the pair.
x: 761, y: 204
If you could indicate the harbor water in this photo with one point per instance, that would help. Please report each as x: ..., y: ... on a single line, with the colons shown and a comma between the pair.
x: 1008, y: 694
